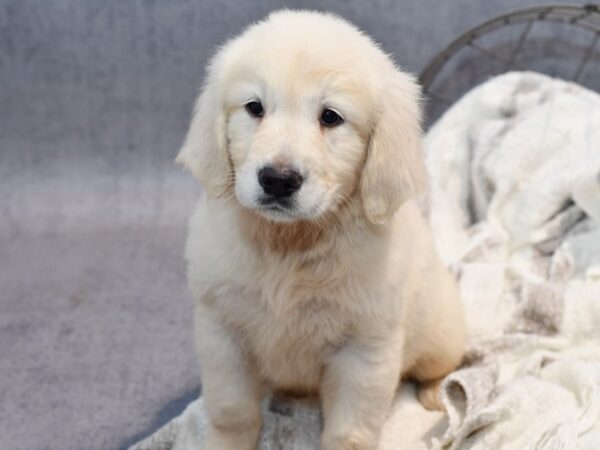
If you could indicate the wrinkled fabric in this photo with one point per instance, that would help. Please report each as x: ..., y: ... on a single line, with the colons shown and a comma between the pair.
x: 514, y: 205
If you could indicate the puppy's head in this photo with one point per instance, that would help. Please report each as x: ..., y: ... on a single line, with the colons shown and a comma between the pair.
x: 303, y: 113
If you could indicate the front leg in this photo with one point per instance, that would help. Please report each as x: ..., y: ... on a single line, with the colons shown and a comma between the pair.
x: 357, y: 391
x: 231, y: 389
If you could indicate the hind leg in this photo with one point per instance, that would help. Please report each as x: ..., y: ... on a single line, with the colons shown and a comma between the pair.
x: 428, y: 394
x: 430, y: 371
x: 442, y: 345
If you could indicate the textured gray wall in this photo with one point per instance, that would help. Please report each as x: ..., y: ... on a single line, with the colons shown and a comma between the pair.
x: 95, y: 328
x: 94, y: 90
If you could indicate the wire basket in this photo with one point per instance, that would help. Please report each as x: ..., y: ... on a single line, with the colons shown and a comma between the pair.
x: 558, y: 40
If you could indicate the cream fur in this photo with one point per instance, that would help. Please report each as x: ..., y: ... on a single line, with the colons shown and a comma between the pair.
x: 344, y: 295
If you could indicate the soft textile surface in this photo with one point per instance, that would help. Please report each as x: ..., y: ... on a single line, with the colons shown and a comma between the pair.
x: 515, y: 209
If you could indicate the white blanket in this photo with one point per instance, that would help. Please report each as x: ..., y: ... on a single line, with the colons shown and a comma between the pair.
x: 515, y: 208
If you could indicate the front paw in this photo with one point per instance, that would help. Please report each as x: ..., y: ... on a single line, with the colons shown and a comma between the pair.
x: 350, y: 440
x: 231, y: 439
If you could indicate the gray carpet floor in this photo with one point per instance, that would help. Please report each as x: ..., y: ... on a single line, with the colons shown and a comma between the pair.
x: 95, y: 337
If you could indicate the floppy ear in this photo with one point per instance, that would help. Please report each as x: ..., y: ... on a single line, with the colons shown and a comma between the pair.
x: 204, y: 152
x: 394, y: 170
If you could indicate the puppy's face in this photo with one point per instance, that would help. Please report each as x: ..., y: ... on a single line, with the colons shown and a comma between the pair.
x: 297, y: 136
x: 300, y: 112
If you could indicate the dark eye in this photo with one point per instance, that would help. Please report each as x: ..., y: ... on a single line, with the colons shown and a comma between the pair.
x: 255, y: 109
x: 330, y: 118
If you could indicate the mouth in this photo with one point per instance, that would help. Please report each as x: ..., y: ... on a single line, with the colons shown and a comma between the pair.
x: 277, y: 208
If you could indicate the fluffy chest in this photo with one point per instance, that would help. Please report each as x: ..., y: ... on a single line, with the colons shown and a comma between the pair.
x: 290, y: 319
x: 290, y: 311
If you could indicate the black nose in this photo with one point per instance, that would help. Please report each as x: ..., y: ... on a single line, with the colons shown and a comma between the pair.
x: 279, y: 182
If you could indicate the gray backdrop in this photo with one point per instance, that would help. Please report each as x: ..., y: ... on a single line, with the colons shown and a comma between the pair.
x: 95, y: 319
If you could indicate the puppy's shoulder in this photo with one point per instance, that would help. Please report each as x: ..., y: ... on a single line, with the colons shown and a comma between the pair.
x: 411, y: 243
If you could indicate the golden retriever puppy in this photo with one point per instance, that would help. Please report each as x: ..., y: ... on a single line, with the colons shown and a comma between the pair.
x: 311, y: 265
